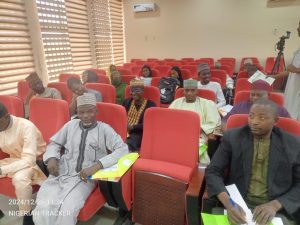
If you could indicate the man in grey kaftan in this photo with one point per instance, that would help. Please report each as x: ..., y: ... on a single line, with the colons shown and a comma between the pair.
x: 61, y: 197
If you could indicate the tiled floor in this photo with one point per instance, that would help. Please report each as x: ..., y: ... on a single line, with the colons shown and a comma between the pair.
x: 105, y: 216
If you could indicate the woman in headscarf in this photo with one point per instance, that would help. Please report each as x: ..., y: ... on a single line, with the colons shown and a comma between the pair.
x: 176, y: 73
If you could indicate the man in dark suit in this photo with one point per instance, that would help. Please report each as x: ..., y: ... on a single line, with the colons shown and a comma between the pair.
x: 264, y: 163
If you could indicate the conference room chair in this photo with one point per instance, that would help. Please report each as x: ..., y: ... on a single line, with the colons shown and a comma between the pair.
x: 62, y: 87
x: 103, y: 79
x: 240, y: 96
x: 202, y: 93
x: 221, y: 74
x: 163, y: 70
x: 98, y: 71
x: 64, y: 77
x: 209, y: 61
x: 127, y: 78
x: 108, y: 91
x: 150, y: 92
x: 188, y: 59
x: 192, y: 69
x: 166, y: 181
x: 23, y: 89
x: 13, y: 104
x: 242, y: 84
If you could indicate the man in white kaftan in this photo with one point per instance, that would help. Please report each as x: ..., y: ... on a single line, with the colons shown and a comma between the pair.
x: 89, y: 146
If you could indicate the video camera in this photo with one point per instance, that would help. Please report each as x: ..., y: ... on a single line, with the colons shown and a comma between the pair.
x: 280, y: 44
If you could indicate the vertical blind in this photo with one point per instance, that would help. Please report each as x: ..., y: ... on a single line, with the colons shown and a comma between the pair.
x: 55, y: 37
x: 78, y: 29
x: 16, y: 58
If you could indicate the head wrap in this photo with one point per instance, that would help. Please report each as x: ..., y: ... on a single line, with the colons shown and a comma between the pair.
x: 137, y: 82
x: 32, y: 77
x: 86, y: 99
x: 202, y: 67
x: 261, y: 85
x: 248, y: 61
x: 190, y: 83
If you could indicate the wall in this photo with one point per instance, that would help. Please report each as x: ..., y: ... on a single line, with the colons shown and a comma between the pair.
x: 210, y: 28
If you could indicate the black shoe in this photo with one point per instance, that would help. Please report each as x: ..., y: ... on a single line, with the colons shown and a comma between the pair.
x: 1, y: 214
x: 27, y: 219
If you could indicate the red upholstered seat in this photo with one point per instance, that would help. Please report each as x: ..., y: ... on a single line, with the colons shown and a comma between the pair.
x: 127, y: 78
x: 13, y: 104
x: 98, y: 71
x: 23, y: 89
x: 203, y: 93
x: 108, y: 91
x: 96, y: 200
x: 242, y: 74
x: 62, y: 87
x: 124, y: 71
x: 221, y: 74
x: 242, y: 84
x: 191, y: 68
x: 278, y: 98
x: 167, y: 164
x: 155, y: 81
x: 163, y: 70
x: 65, y: 77
x: 150, y: 92
x: 103, y: 79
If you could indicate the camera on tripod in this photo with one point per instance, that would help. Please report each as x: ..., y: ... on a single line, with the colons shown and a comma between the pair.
x: 280, y: 44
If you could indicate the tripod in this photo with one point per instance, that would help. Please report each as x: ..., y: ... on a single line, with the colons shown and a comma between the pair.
x: 281, y: 82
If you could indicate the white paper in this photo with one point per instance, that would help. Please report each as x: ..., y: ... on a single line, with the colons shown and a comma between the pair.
x: 237, y: 198
x: 225, y: 109
x: 258, y: 75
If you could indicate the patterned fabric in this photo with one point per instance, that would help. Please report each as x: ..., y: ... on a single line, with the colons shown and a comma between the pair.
x: 134, y: 114
x: 258, y: 185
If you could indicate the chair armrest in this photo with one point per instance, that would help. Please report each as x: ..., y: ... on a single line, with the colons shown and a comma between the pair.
x: 3, y: 155
x: 194, y: 196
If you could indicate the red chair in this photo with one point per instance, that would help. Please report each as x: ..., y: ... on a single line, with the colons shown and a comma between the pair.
x: 136, y: 70
x: 188, y: 59
x: 98, y: 71
x: 192, y: 69
x: 166, y: 172
x: 49, y: 115
x: 242, y: 74
x: 155, y: 81
x: 169, y: 60
x: 202, y: 93
x: 150, y: 92
x: 287, y: 124
x: 163, y: 70
x: 23, y: 89
x: 62, y: 87
x: 128, y: 66
x: 152, y: 59
x: 173, y: 63
x: 278, y: 98
x: 135, y: 60
x: 227, y: 68
x: 141, y: 63
x: 156, y: 73
x: 209, y: 61
x: 216, y: 79
x: 96, y: 199
x: 270, y: 61
x: 13, y: 104
x: 108, y: 91
x: 103, y: 79
x: 186, y: 74
x: 242, y: 84
x: 127, y: 78
x: 221, y: 74
x: 160, y: 62
x: 64, y: 77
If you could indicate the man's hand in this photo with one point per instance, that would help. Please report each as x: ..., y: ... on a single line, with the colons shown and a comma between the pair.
x: 263, y: 214
x: 211, y: 137
x: 291, y: 68
x: 52, y: 167
x: 90, y: 171
x: 236, y: 214
x: 129, y: 128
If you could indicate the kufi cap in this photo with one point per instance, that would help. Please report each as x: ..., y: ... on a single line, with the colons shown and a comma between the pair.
x: 202, y: 67
x: 86, y: 99
x: 248, y: 61
x: 32, y: 77
x: 261, y: 85
x: 190, y: 83
x: 137, y: 82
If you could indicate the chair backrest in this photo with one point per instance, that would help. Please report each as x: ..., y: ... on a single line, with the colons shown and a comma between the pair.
x: 13, y: 104
x: 188, y: 59
x: 216, y: 79
x: 155, y: 81
x: 49, y: 115
x: 136, y: 70
x: 62, y: 87
x: 128, y: 66
x: 202, y: 93
x: 169, y: 60
x: 64, y: 77
x: 242, y: 74
x: 141, y: 63
x: 152, y: 59
x: 270, y: 61
x: 209, y: 61
x: 168, y: 144
x: 108, y: 112
x: 107, y: 91
x: 242, y: 84
x: 103, y: 79
x: 186, y: 74
x: 240, y: 96
x: 124, y: 71
x: 156, y: 73
x: 150, y: 92
x: 163, y: 70
x: 98, y: 71
x: 23, y: 89
x: 287, y: 124
x: 127, y: 78
x: 227, y: 68
x: 192, y: 69
x: 221, y: 74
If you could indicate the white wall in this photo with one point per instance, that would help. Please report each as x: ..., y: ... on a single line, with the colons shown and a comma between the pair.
x: 210, y: 28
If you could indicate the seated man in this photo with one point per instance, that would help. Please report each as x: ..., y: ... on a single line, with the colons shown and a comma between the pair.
x: 264, y: 163
x: 205, y: 83
x: 135, y: 108
x: 87, y: 144
x: 78, y: 89
x: 229, y: 80
x: 120, y: 86
x: 37, y: 89
x: 89, y: 76
x: 247, y: 63
x: 259, y: 90
x: 251, y: 69
x: 24, y: 143
x: 210, y: 120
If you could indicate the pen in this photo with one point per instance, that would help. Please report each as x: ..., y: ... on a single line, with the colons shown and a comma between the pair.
x: 234, y: 204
